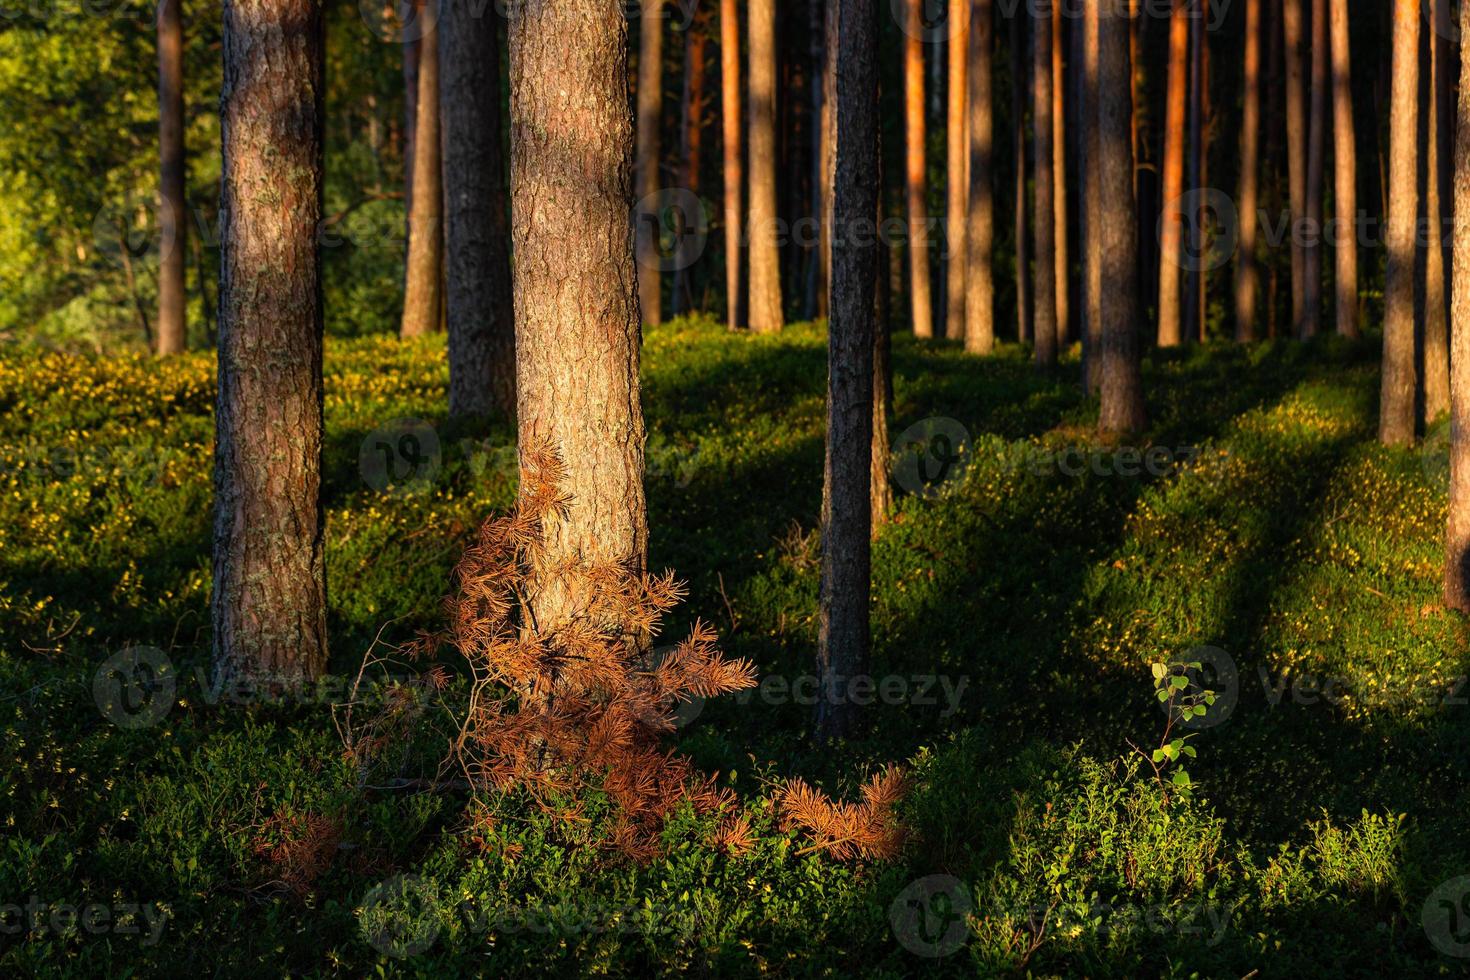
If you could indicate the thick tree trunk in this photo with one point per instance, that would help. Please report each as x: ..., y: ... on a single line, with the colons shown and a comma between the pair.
x: 1316, y: 149
x: 1062, y: 257
x: 1345, y: 154
x: 842, y: 634
x: 1093, y: 217
x: 650, y: 112
x: 1293, y: 15
x: 423, y: 295
x: 1247, y: 272
x: 269, y: 593
x: 734, y: 172
x: 1457, y: 539
x: 577, y: 322
x: 1019, y: 76
x: 478, y: 315
x: 1122, y: 380
x: 1171, y: 225
x: 980, y: 219
x: 765, y: 261
x: 1396, y: 411
x: 1043, y: 223
x: 920, y: 297
x: 173, y: 221
x: 957, y: 191
x: 1435, y: 329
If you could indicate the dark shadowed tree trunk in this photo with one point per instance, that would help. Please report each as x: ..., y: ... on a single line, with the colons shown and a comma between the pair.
x: 1122, y: 380
x: 173, y: 220
x: 765, y: 261
x: 1247, y: 271
x: 423, y: 296
x: 1171, y: 225
x: 915, y: 169
x: 980, y: 233
x: 733, y: 170
x: 1043, y: 222
x: 1093, y: 218
x: 1019, y: 76
x: 1396, y: 410
x: 1435, y: 328
x: 410, y: 46
x: 482, y: 363
x: 1294, y: 14
x: 842, y: 634
x: 269, y: 592
x: 1345, y: 160
x: 650, y: 113
x: 957, y: 191
x: 691, y: 140
x: 577, y: 322
x: 1062, y: 258
x: 1457, y: 540
x: 1316, y: 171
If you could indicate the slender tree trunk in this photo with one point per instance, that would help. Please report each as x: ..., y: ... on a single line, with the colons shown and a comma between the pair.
x: 1396, y: 418
x: 1457, y: 539
x: 1062, y: 257
x: 1093, y: 217
x: 1122, y: 380
x: 920, y: 298
x: 1247, y: 272
x: 1293, y: 15
x: 765, y: 262
x: 423, y: 296
x: 1043, y: 224
x: 1316, y: 149
x: 411, y: 45
x: 1275, y: 106
x: 1192, y: 324
x: 481, y: 327
x: 269, y: 593
x: 842, y: 633
x: 1171, y: 226
x: 980, y: 230
x: 1019, y: 75
x: 1436, y: 303
x: 650, y: 112
x: 577, y: 321
x: 734, y: 174
x: 819, y: 271
x: 956, y: 222
x: 1345, y: 194
x: 691, y: 139
x: 173, y: 223
x: 880, y: 489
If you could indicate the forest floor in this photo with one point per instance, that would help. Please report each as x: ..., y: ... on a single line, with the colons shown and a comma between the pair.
x: 1018, y: 603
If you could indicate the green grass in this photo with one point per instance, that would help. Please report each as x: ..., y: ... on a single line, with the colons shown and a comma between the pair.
x: 1321, y: 830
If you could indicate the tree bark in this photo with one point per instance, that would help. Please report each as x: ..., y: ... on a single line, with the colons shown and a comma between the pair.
x: 1345, y: 154
x: 1316, y: 149
x: 173, y: 220
x: 920, y: 296
x: 650, y: 112
x: 1247, y: 272
x: 980, y: 219
x: 478, y: 311
x: 730, y: 132
x: 1122, y: 379
x: 1192, y: 316
x: 1171, y: 224
x: 1436, y: 303
x: 576, y: 305
x: 1396, y: 411
x: 1093, y: 217
x: 1019, y: 76
x: 766, y: 315
x: 268, y: 604
x: 843, y: 627
x: 423, y: 296
x: 1293, y: 13
x: 1043, y: 223
x: 1457, y: 538
x: 691, y: 139
x: 1062, y: 257
x: 957, y: 191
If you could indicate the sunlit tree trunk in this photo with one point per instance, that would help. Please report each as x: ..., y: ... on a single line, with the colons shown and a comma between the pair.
x: 956, y: 154
x: 269, y: 589
x: 1247, y: 272
x: 423, y: 296
x: 1192, y: 316
x: 1043, y: 223
x: 646, y: 166
x: 173, y: 215
x: 1396, y: 412
x: 1436, y: 303
x: 765, y: 262
x: 1345, y: 153
x: 1062, y: 259
x: 1293, y: 15
x: 576, y: 307
x: 733, y: 169
x: 1457, y: 540
x: 980, y: 230
x: 691, y: 140
x: 1093, y: 217
x: 1122, y: 380
x: 920, y: 297
x: 1171, y: 225
x: 1316, y: 150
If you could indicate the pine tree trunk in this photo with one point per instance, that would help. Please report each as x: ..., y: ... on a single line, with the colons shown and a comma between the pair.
x: 980, y: 219
x: 1293, y: 14
x: 1122, y: 380
x: 1436, y: 351
x: 1019, y: 75
x: 843, y: 628
x: 1171, y: 226
x: 411, y: 45
x: 733, y: 170
x: 269, y: 593
x: 1062, y: 257
x: 650, y: 112
x: 423, y: 296
x: 1043, y: 222
x: 691, y: 140
x: 1093, y: 217
x: 577, y: 322
x: 1316, y: 149
x: 1247, y: 271
x: 1457, y: 539
x: 957, y: 191
x: 1345, y: 154
x: 915, y: 171
x: 1396, y: 412
x: 173, y: 221
x: 818, y: 271
x: 1192, y: 321
x: 766, y: 314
